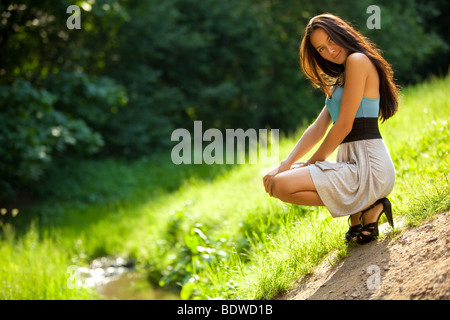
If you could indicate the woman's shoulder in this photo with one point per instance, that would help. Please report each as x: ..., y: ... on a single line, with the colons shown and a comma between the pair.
x: 358, y: 59
x: 358, y: 65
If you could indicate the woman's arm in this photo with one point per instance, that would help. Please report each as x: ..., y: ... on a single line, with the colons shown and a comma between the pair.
x: 310, y: 137
x: 356, y: 71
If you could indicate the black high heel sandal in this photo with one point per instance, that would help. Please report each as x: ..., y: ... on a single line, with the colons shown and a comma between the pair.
x: 352, y: 232
x: 372, y: 228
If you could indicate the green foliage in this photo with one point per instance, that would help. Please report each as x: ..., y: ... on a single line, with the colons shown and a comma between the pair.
x: 190, y: 61
x: 99, y: 101
x: 33, y: 132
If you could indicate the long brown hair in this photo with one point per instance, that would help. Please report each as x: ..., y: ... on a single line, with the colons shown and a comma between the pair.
x: 323, y: 73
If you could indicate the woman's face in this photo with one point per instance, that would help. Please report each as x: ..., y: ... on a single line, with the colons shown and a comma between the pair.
x: 327, y: 48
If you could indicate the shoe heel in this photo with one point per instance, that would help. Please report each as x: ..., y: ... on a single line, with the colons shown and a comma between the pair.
x: 387, y: 208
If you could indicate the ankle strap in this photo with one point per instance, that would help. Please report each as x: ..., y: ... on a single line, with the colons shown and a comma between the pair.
x: 371, y: 207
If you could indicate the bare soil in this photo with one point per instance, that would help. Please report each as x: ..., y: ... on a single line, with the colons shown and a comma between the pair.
x: 411, y: 265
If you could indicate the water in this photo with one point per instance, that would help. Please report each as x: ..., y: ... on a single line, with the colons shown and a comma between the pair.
x: 115, y: 278
x: 133, y: 286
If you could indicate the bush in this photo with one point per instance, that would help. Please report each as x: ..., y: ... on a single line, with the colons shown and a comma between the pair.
x: 33, y: 132
x: 98, y: 101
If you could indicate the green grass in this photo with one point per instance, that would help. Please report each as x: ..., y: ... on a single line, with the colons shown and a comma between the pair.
x: 210, y: 231
x: 34, y: 268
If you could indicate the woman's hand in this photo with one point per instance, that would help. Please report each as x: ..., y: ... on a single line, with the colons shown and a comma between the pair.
x: 299, y: 164
x: 268, y: 178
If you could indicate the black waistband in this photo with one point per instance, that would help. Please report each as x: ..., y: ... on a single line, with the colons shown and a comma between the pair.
x: 363, y: 129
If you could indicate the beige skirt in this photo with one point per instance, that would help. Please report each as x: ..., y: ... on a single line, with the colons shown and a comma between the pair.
x: 362, y: 174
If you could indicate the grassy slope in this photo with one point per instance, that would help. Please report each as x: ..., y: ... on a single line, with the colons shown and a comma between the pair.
x: 218, y: 234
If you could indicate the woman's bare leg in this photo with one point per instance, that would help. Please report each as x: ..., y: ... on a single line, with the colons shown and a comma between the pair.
x: 355, y: 219
x: 296, y: 186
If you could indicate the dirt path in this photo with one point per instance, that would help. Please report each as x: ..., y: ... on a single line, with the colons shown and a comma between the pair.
x: 414, y: 265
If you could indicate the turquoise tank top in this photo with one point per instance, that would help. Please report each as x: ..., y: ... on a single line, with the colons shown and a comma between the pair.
x: 368, y: 108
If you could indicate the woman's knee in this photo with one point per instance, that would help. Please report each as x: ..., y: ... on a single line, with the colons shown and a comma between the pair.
x: 290, y: 182
x: 278, y: 187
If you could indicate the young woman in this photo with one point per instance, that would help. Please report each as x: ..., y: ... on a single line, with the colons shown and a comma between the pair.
x: 360, y: 90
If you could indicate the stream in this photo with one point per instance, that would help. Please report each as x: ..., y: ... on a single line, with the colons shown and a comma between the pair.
x: 115, y: 278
